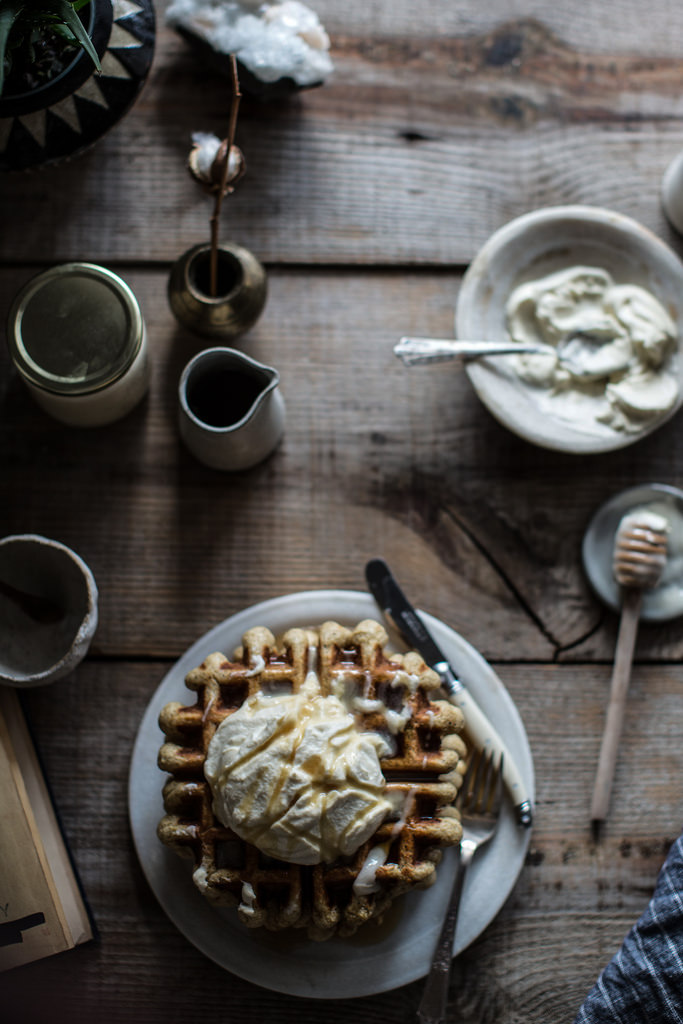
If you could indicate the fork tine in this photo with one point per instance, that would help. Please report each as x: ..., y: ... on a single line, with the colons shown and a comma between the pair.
x: 482, y: 784
x: 478, y: 796
x: 492, y: 786
x: 470, y: 789
x: 497, y: 786
x: 467, y: 779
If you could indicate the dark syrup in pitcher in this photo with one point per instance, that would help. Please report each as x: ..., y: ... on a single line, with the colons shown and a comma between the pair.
x: 222, y: 398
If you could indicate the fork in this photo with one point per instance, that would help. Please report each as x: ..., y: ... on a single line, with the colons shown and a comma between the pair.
x: 479, y: 802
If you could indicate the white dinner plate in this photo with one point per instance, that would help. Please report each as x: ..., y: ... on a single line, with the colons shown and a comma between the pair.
x: 379, y: 957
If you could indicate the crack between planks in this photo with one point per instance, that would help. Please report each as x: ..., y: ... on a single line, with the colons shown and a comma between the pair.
x: 563, y: 648
x: 507, y: 581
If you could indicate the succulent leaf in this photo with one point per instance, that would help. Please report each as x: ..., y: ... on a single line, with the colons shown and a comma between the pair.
x: 68, y: 16
x: 8, y: 15
x: 23, y: 22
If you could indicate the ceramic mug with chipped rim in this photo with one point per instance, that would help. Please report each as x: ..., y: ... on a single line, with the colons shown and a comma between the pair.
x: 48, y: 610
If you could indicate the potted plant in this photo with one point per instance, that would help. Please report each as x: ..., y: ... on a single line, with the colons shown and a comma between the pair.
x: 38, y: 40
x: 69, y: 70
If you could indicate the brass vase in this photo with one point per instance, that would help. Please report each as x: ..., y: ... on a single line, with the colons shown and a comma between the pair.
x: 240, y: 292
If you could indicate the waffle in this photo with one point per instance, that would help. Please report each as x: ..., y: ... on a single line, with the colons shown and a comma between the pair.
x: 388, y: 693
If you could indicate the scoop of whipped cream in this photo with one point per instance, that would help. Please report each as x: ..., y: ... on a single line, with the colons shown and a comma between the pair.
x: 612, y: 344
x: 294, y: 776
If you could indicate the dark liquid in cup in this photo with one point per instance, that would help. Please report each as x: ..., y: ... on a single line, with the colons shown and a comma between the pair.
x: 222, y: 397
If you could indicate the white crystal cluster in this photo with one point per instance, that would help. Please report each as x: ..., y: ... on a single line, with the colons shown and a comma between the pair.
x: 274, y: 40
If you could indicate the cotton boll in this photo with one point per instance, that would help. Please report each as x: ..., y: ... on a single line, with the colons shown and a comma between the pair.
x: 207, y: 162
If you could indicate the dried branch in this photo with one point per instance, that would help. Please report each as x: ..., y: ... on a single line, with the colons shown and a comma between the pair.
x: 223, y: 189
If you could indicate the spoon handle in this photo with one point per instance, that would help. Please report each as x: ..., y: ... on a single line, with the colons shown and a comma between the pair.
x: 621, y: 674
x: 434, y: 350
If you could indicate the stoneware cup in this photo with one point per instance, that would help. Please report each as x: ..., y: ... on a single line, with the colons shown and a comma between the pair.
x: 231, y: 410
x: 48, y: 610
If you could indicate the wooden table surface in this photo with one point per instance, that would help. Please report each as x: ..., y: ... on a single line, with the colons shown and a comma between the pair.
x: 366, y: 199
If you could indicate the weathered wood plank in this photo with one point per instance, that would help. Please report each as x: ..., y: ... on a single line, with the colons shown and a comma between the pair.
x: 582, y: 25
x: 484, y: 529
x: 425, y: 141
x: 572, y: 905
x: 366, y: 198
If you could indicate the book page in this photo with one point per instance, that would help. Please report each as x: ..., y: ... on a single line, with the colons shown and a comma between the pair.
x: 41, y: 912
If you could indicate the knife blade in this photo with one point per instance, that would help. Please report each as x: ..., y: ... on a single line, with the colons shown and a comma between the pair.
x: 410, y: 626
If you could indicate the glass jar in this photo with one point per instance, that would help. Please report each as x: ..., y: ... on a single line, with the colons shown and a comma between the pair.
x: 78, y: 339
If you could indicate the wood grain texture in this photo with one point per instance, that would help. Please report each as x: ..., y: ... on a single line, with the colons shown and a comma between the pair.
x: 572, y: 905
x: 434, y: 130
x: 366, y: 198
x: 405, y: 464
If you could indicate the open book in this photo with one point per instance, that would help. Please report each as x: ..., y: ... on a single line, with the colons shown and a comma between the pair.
x: 41, y: 908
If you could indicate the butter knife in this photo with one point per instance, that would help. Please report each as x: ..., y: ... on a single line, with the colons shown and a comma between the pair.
x: 408, y: 623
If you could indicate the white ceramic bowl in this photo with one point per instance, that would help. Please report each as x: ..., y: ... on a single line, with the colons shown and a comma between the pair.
x: 48, y: 610
x: 536, y: 244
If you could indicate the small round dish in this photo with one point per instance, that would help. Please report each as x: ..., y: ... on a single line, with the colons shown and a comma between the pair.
x: 528, y: 248
x: 663, y: 602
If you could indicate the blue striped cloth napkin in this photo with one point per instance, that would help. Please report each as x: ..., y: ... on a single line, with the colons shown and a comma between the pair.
x: 643, y: 983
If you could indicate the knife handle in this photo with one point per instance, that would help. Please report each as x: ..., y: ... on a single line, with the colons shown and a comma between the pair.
x: 485, y: 738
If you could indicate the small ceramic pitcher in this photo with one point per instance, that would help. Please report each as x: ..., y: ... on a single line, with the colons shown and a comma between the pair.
x: 232, y: 413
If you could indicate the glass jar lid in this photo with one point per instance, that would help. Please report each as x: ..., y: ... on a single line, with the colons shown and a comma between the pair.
x: 74, y: 329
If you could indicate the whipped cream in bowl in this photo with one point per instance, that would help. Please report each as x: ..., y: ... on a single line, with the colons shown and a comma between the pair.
x: 604, y: 297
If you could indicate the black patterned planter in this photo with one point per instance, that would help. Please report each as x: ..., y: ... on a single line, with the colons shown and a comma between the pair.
x: 76, y: 108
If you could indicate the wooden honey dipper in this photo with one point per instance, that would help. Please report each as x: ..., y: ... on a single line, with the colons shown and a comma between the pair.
x: 639, y: 558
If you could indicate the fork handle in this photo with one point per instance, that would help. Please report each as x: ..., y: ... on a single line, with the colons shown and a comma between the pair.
x: 432, y: 1008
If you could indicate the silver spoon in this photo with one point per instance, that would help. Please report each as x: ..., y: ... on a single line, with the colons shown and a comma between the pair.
x: 413, y: 351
